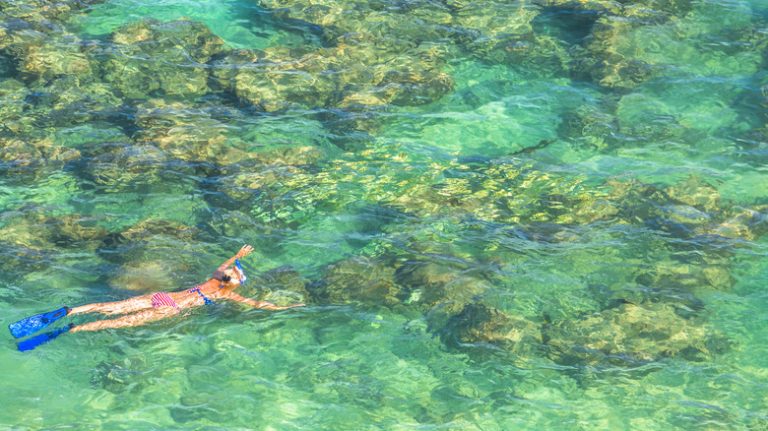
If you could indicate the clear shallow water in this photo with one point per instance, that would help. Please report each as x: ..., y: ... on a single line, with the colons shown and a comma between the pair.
x: 500, y: 215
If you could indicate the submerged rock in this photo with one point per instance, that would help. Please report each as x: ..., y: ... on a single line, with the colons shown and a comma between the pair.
x: 599, y: 62
x: 480, y: 324
x: 390, y: 27
x: 34, y: 228
x: 58, y: 58
x: 286, y: 190
x: 281, y: 286
x: 65, y: 101
x: 375, y: 55
x: 187, y: 132
x: 589, y: 124
x: 36, y: 47
x: 430, y: 284
x: 13, y: 104
x: 152, y: 57
x: 181, y: 135
x: 685, y: 214
x: 130, y: 374
x: 147, y: 241
x: 226, y: 66
x: 713, y: 272
x: 120, y: 165
x: 530, y: 53
x: 649, y: 118
x: 7, y: 67
x: 29, y: 154
x: 345, y: 76
x: 357, y: 280
x: 631, y: 335
x: 16, y: 258
x: 45, y: 10
x: 150, y: 228
x: 696, y: 193
x: 746, y: 223
x: 143, y: 276
x: 279, y: 81
x: 150, y: 254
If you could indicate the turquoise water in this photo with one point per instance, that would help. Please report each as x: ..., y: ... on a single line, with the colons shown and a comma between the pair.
x: 501, y: 215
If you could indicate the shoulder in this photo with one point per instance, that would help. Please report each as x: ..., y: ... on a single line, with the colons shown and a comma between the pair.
x: 211, y: 282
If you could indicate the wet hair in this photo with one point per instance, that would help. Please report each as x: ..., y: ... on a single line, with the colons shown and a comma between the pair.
x: 219, y: 275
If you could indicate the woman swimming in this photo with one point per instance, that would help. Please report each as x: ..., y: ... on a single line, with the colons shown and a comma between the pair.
x: 156, y: 306
x: 147, y: 308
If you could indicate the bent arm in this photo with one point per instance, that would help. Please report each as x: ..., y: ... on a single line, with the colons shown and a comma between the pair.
x: 244, y: 251
x: 259, y: 304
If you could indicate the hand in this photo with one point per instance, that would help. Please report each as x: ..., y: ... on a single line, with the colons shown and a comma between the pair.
x: 244, y: 251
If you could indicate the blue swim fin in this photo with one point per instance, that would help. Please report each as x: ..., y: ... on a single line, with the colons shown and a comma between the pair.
x: 32, y: 324
x: 37, y: 340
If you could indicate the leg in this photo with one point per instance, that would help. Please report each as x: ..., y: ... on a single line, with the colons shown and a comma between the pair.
x: 135, y: 319
x: 118, y: 307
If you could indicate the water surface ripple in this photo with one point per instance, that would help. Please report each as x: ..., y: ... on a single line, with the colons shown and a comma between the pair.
x: 501, y: 214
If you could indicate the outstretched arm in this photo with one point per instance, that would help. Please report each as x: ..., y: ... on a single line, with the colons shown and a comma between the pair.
x: 259, y: 304
x: 244, y: 251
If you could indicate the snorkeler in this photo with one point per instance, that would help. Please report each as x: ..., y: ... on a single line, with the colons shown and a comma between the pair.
x: 146, y: 308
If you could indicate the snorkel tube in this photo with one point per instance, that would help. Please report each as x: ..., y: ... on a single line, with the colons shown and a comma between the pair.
x: 240, y: 272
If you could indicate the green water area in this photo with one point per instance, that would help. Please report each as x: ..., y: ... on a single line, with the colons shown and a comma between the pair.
x: 501, y: 215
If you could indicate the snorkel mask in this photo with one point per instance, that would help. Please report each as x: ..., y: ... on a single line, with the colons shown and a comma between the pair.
x: 240, y: 272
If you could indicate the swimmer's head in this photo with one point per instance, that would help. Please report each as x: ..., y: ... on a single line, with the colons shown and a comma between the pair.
x: 227, y: 277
